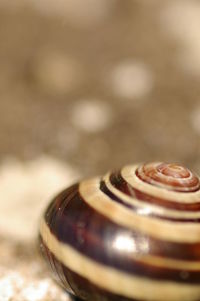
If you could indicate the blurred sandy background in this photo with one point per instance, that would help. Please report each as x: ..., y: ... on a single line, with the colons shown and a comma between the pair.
x: 86, y: 86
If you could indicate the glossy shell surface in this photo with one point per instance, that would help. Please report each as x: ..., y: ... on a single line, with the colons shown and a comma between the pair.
x: 133, y: 234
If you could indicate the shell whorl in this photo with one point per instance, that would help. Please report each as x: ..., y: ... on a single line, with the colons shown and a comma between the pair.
x: 133, y: 234
x: 170, y: 176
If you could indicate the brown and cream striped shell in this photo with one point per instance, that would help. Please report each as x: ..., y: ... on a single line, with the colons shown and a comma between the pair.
x: 133, y: 234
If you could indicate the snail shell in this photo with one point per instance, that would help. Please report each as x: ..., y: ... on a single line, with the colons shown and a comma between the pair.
x: 133, y: 234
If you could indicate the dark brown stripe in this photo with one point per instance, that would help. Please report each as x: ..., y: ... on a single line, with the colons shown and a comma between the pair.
x: 138, y: 210
x: 58, y: 204
x: 92, y: 234
x: 118, y: 182
x: 81, y: 287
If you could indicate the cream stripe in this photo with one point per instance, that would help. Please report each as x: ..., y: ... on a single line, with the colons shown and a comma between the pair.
x: 115, y: 281
x: 161, y: 229
x: 169, y: 263
x: 147, y: 208
x: 128, y: 173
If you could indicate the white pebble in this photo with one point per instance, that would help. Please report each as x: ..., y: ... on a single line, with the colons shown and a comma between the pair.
x: 9, y: 283
x: 91, y: 115
x: 35, y: 292
x: 131, y: 79
x: 23, y: 285
x: 6, y: 290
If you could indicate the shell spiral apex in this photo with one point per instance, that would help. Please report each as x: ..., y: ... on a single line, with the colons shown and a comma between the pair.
x: 133, y: 234
x: 170, y: 176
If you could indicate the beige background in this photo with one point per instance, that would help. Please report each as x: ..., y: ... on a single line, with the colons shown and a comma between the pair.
x: 87, y: 86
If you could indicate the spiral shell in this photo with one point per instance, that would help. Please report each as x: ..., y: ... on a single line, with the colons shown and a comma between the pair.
x: 133, y: 234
